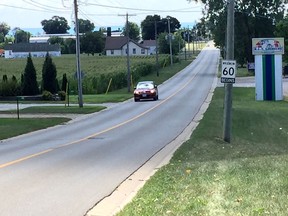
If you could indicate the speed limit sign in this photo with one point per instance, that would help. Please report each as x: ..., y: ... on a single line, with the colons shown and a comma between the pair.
x: 228, y: 71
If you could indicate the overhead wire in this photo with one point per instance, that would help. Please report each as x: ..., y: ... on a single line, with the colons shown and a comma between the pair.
x: 37, y: 6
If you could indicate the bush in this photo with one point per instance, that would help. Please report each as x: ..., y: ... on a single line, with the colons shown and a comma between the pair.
x: 9, y: 87
x: 47, y: 96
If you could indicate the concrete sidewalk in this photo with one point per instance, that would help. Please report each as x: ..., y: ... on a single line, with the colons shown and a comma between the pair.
x: 250, y: 82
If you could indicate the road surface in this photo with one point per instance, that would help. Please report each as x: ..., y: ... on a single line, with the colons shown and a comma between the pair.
x: 67, y: 169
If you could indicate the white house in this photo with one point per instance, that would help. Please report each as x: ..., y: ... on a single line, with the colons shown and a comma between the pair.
x: 22, y: 50
x: 117, y: 46
x: 151, y: 45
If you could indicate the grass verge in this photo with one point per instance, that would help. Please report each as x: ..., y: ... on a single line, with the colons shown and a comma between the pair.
x: 207, y: 176
x: 56, y: 110
x: 14, y: 127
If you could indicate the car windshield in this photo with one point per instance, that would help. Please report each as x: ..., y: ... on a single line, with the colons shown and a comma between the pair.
x: 145, y: 86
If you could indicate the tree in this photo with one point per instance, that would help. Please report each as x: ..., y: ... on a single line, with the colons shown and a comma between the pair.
x: 282, y: 31
x: 4, y: 28
x: 164, y: 46
x: 85, y: 26
x: 253, y: 18
x: 49, y: 74
x: 30, y: 85
x: 92, y: 42
x: 174, y: 24
x: 56, y: 25
x: 148, y: 26
x: 134, y: 31
x: 56, y: 40
x: 64, y: 82
x: 22, y: 36
x: 69, y: 46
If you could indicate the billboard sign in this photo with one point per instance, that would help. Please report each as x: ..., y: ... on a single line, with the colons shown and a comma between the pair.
x: 268, y: 46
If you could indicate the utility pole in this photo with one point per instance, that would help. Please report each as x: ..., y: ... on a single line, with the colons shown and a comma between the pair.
x: 79, y: 75
x: 127, y: 52
x: 156, y: 37
x: 170, y: 41
x: 228, y: 86
x: 189, y: 41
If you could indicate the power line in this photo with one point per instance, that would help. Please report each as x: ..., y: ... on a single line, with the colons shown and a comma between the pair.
x: 35, y: 9
x: 182, y: 10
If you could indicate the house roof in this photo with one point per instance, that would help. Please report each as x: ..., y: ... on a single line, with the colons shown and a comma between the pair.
x: 149, y: 43
x: 116, y: 43
x: 32, y: 47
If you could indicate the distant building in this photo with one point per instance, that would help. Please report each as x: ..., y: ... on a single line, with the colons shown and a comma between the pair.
x: 151, y: 45
x: 117, y: 46
x: 22, y: 50
x: 45, y: 37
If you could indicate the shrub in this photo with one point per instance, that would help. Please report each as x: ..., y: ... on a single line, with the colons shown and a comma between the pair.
x: 47, y: 96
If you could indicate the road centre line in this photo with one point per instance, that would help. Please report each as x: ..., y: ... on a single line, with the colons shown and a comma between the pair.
x: 98, y: 133
x: 24, y: 158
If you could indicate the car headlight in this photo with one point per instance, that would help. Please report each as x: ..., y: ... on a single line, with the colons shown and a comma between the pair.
x: 153, y: 91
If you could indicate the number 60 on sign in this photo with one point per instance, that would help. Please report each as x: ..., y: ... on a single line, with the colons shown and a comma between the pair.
x: 228, y: 71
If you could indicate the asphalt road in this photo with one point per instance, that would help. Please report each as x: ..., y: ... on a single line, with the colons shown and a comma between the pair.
x: 67, y: 169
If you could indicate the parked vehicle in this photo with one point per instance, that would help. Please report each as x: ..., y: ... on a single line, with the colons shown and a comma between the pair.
x: 145, y: 90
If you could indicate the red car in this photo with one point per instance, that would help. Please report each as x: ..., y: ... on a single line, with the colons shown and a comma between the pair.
x: 145, y: 90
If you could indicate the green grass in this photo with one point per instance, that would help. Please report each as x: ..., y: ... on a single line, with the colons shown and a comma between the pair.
x: 14, y: 127
x: 90, y: 65
x: 207, y: 176
x: 56, y: 110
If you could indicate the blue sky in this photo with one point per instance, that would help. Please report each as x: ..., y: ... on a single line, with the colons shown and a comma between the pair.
x: 27, y: 14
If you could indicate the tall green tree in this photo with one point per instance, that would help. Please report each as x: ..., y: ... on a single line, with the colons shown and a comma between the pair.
x: 4, y: 28
x: 148, y: 26
x: 49, y: 74
x: 164, y: 45
x: 86, y: 26
x: 56, y: 40
x: 134, y: 31
x: 29, y: 84
x: 92, y: 42
x: 253, y: 18
x: 22, y: 36
x: 55, y: 25
x: 164, y: 24
x: 64, y: 82
x: 282, y: 31
x: 69, y: 46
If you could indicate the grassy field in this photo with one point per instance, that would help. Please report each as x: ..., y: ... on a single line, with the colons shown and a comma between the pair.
x: 90, y: 65
x: 207, y: 176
